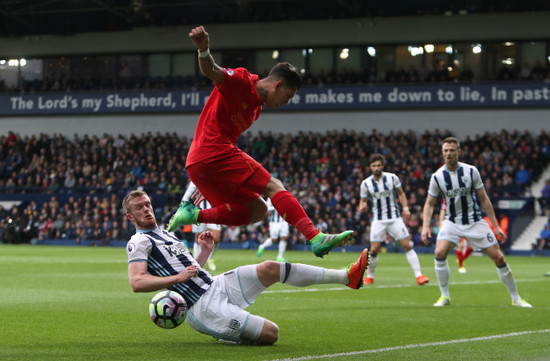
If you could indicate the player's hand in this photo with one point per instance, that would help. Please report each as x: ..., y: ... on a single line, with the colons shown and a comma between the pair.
x: 188, y: 273
x: 198, y: 197
x: 424, y: 235
x: 406, y: 215
x: 200, y: 38
x: 501, y: 236
x: 206, y: 240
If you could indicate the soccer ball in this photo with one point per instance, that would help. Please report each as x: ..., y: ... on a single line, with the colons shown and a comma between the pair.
x: 168, y: 309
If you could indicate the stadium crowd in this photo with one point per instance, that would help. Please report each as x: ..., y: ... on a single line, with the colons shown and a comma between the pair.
x: 85, y: 178
x: 537, y: 72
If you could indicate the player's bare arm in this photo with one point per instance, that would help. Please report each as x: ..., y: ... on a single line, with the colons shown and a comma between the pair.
x: 426, y: 217
x: 206, y: 242
x: 487, y: 207
x: 141, y: 281
x: 208, y: 66
x: 404, y: 203
x: 363, y: 206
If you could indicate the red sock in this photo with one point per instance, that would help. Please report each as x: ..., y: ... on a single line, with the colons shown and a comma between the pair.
x: 292, y: 212
x: 460, y: 257
x: 230, y: 214
x: 468, y: 252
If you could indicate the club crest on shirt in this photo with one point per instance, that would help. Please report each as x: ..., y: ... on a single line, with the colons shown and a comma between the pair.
x: 234, y: 324
x: 229, y: 71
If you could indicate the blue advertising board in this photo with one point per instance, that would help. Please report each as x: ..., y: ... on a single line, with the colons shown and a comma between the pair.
x: 494, y: 95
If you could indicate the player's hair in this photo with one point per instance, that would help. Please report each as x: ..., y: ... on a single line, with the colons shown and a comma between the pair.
x: 451, y: 140
x: 288, y: 74
x: 129, y: 197
x: 377, y: 157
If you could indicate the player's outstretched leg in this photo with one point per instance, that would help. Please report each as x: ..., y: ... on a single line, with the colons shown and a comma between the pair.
x: 323, y: 243
x: 357, y: 270
x: 187, y: 213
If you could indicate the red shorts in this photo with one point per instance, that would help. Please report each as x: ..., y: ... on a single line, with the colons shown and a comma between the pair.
x: 234, y: 179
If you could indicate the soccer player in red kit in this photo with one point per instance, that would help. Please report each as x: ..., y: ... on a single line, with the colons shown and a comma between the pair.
x: 227, y: 177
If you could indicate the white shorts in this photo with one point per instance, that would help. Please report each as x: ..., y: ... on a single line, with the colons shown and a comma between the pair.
x: 395, y: 228
x: 278, y: 230
x: 219, y: 312
x: 479, y: 234
x: 203, y: 227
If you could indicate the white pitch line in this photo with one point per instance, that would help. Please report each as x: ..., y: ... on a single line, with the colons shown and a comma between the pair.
x: 417, y: 345
x: 299, y: 290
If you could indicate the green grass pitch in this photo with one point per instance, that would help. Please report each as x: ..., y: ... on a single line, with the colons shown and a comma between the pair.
x: 75, y: 303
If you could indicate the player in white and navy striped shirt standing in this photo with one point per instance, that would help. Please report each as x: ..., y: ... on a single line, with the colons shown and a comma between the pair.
x: 278, y: 232
x: 216, y: 305
x: 382, y: 188
x: 461, y: 186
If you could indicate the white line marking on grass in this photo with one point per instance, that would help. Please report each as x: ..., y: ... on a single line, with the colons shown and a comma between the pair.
x: 399, y: 286
x: 417, y: 345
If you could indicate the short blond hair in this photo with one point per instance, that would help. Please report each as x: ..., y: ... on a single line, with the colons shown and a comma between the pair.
x: 129, y: 197
x: 451, y: 140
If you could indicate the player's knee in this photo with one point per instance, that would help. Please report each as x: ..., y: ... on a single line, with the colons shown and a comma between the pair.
x: 440, y: 254
x: 273, y: 186
x: 258, y: 210
x: 269, y: 335
x: 269, y: 269
x: 499, y: 259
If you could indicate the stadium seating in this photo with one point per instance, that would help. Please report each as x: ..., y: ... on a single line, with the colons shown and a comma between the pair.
x: 72, y: 187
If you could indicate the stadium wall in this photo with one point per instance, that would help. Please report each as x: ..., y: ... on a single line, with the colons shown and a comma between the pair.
x: 360, y: 31
x: 459, y: 122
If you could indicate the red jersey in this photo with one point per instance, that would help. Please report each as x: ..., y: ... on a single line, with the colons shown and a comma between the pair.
x: 232, y: 108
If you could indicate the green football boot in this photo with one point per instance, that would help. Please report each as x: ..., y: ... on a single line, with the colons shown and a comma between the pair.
x: 260, y: 250
x: 323, y: 243
x: 187, y: 213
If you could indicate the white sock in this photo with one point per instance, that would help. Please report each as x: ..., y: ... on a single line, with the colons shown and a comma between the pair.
x: 442, y: 272
x: 282, y: 249
x: 506, y: 276
x: 302, y: 275
x: 372, y: 266
x: 196, y: 249
x: 412, y: 257
x: 268, y: 242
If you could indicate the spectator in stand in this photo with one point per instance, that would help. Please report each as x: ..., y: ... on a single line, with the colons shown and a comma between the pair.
x: 522, y: 176
x: 544, y: 200
x: 544, y: 239
x: 232, y: 234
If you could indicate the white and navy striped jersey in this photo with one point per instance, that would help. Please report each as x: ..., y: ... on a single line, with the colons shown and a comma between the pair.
x: 191, y: 188
x: 459, y: 189
x: 166, y: 256
x: 383, y: 195
x: 274, y: 216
